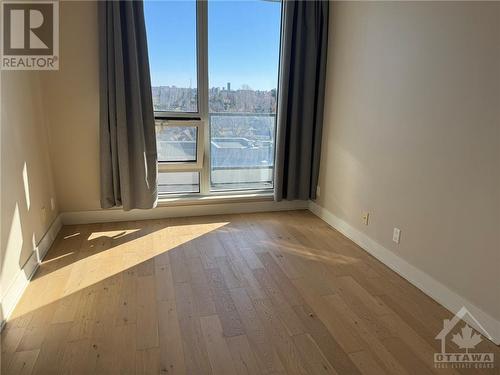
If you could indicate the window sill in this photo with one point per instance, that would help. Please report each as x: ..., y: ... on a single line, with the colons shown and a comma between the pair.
x: 194, y: 199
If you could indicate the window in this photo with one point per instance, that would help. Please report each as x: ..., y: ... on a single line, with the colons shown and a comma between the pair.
x: 178, y: 182
x: 214, y: 74
x: 178, y: 144
x: 171, y: 35
x: 242, y: 151
x: 243, y: 54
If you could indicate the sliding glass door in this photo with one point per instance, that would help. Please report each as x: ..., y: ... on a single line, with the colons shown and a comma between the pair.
x: 214, y: 72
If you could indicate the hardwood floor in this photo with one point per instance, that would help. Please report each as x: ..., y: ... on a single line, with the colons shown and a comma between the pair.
x: 269, y: 293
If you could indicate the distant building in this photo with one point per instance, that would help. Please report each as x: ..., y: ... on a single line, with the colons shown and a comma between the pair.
x: 229, y: 86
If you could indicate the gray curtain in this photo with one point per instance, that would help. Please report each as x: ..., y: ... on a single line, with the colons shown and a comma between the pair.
x: 127, y: 129
x: 301, y: 97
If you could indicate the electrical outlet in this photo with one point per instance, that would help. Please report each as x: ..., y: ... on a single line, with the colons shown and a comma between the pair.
x: 52, y: 203
x: 318, y: 191
x: 365, y: 218
x: 396, y: 235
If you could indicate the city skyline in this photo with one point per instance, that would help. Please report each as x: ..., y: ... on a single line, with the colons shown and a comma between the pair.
x: 222, y: 88
x: 220, y: 99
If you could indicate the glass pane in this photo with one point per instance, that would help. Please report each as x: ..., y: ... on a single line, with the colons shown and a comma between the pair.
x: 178, y: 182
x: 176, y: 143
x: 242, y: 151
x: 243, y: 53
x: 171, y: 35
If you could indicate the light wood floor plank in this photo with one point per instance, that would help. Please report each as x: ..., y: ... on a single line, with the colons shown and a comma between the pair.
x: 229, y: 317
x: 349, y: 340
x: 372, y: 343
x: 202, y: 295
x: 218, y: 351
x: 147, y: 317
x: 147, y: 361
x: 330, y: 348
x: 265, y: 293
x: 171, y: 352
x: 286, y: 349
x: 52, y: 349
x: 195, y: 351
x: 243, y: 356
x: 316, y: 363
x: 22, y: 363
x: 266, y: 355
x: 292, y: 323
x: 290, y: 293
x: 366, y: 363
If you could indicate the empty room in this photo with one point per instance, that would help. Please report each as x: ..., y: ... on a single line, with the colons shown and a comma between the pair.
x: 250, y: 187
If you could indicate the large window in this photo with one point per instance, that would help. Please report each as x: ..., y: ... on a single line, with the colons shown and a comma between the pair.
x: 214, y: 74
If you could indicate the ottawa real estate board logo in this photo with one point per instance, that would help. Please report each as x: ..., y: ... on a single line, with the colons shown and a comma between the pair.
x: 459, y: 341
x: 30, y: 35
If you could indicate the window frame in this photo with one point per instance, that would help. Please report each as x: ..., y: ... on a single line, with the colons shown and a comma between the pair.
x: 201, y: 71
x: 198, y: 119
x: 164, y: 195
x: 200, y: 75
x: 188, y: 165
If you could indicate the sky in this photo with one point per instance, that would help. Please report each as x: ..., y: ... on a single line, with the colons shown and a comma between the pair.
x: 243, y: 43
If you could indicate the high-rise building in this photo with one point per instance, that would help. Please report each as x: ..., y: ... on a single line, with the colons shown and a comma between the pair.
x: 229, y: 86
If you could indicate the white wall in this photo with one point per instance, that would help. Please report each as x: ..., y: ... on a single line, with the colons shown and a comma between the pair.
x: 71, y: 97
x: 26, y: 174
x: 412, y: 135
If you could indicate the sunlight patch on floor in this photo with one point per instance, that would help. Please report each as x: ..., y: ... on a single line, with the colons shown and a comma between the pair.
x: 71, y: 235
x: 328, y: 257
x: 101, y: 256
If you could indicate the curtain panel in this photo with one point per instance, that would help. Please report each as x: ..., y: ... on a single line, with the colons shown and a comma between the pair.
x: 128, y: 158
x: 301, y: 98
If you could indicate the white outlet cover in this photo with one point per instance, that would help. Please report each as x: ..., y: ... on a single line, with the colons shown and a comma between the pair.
x: 52, y: 204
x: 396, y: 235
x: 366, y: 218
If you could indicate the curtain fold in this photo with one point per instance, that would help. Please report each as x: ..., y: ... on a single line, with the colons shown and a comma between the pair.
x: 301, y: 98
x: 128, y: 157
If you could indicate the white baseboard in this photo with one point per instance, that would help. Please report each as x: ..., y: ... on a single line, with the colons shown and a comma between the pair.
x: 16, y: 289
x: 101, y: 216
x: 427, y: 284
